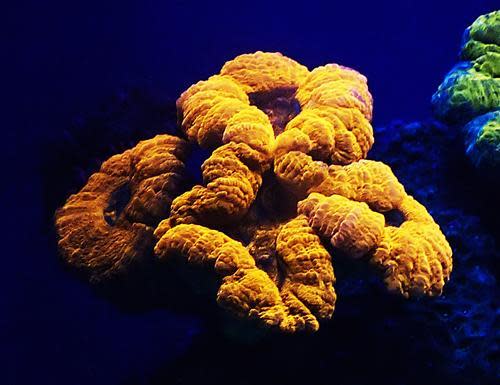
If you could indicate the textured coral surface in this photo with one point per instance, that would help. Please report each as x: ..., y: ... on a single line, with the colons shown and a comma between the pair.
x: 108, y: 225
x: 286, y: 173
x: 470, y: 93
x: 482, y: 140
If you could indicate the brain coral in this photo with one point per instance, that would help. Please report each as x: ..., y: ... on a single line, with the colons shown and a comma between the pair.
x: 472, y: 89
x: 286, y: 168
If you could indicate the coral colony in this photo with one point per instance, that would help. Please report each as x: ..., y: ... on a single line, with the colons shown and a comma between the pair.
x: 287, y: 171
x: 470, y: 93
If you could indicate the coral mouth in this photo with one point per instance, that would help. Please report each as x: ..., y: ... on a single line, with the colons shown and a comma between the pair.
x: 280, y: 105
x: 394, y: 218
x: 117, y: 203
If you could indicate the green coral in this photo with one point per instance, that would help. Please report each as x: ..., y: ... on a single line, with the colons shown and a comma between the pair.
x: 466, y: 93
x: 470, y: 93
x: 482, y: 139
x: 488, y: 64
x: 482, y: 37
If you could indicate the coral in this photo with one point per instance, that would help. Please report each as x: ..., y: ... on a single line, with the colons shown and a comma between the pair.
x: 108, y: 225
x: 231, y: 188
x: 248, y: 291
x: 482, y: 37
x: 415, y: 257
x: 351, y: 226
x: 278, y: 133
x: 220, y: 110
x: 335, y: 108
x: 465, y: 93
x: 472, y: 89
x: 482, y: 140
x: 364, y: 181
x: 265, y: 71
x: 336, y: 113
x: 307, y: 266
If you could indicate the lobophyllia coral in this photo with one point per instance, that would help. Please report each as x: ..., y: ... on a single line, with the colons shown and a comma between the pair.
x: 107, y: 226
x: 278, y: 134
x: 470, y: 93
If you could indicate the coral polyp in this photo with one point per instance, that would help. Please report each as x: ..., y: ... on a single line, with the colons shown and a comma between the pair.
x: 285, y: 188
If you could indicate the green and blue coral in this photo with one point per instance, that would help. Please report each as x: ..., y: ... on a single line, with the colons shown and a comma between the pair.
x: 470, y: 93
x: 482, y: 140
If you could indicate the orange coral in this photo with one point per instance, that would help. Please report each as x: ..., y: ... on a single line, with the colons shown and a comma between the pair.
x: 102, y: 238
x: 265, y: 71
x: 233, y: 176
x: 364, y: 181
x: 309, y: 278
x: 351, y: 226
x: 332, y: 126
x: 266, y: 119
x: 233, y: 172
x: 415, y: 257
x: 248, y: 291
x: 337, y: 99
x: 218, y: 111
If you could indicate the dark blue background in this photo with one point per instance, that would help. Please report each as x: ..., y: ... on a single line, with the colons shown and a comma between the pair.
x: 61, y: 59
